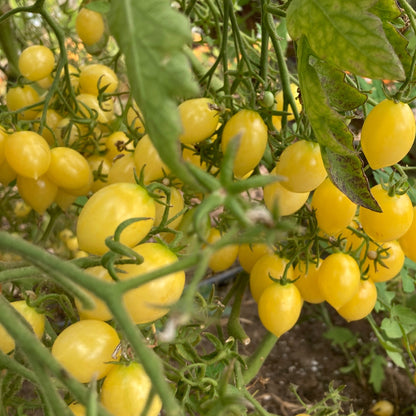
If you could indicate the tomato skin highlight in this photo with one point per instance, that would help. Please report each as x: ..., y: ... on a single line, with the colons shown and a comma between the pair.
x: 126, y: 389
x: 279, y: 307
x: 339, y: 279
x: 388, y: 133
x: 394, y: 220
x: 86, y: 348
x: 107, y: 209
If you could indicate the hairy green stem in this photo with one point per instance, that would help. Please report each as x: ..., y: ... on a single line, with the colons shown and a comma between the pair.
x: 256, y: 360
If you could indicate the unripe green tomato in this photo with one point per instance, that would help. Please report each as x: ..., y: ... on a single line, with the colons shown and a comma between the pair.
x: 394, y: 220
x: 19, y: 97
x: 28, y: 154
x: 97, y: 76
x: 89, y: 26
x: 199, y: 119
x: 302, y: 165
x: 38, y: 193
x: 267, y: 100
x: 36, y: 62
x: 126, y: 389
x: 388, y: 133
x: 35, y: 320
x: 249, y: 127
x: 334, y: 211
x: 107, y: 209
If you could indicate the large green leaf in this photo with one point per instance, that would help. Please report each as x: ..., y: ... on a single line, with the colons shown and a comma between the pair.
x: 151, y: 36
x: 346, y: 34
x: 342, y: 161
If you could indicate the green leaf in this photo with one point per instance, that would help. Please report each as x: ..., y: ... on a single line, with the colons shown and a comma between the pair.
x: 386, y: 9
x: 405, y: 315
x: 340, y: 336
x: 377, y: 374
x: 407, y: 282
x: 342, y: 162
x: 99, y: 6
x: 397, y: 358
x: 391, y: 328
x: 151, y: 35
x: 346, y: 34
x: 341, y: 96
x: 347, y: 173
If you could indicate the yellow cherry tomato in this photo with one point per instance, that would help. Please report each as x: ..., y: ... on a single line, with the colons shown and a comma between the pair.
x: 126, y: 389
x: 89, y: 26
x: 36, y: 321
x: 252, y: 132
x: 307, y: 281
x: 279, y: 307
x: 122, y: 169
x: 339, y: 279
x: 107, y: 209
x: 333, y: 209
x: 388, y: 133
x: 36, y: 62
x: 382, y: 408
x: 223, y: 258
x: 97, y: 76
x: 277, y: 120
x: 268, y: 267
x: 175, y: 207
x: 408, y: 239
x: 20, y: 97
x: 361, y: 304
x: 394, y: 220
x: 248, y: 254
x: 277, y: 197
x: 199, y: 119
x: 28, y: 154
x: 86, y: 349
x: 117, y: 144
x: 302, y: 165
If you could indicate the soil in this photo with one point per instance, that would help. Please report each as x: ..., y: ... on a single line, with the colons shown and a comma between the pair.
x: 305, y: 358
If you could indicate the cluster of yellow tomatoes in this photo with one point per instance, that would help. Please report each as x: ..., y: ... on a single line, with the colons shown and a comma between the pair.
x: 65, y: 153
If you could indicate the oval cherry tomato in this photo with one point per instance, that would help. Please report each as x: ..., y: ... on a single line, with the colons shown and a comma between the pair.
x: 333, y: 209
x: 97, y: 76
x: 147, y: 158
x: 38, y: 193
x: 393, y: 222
x: 100, y: 167
x: 51, y: 123
x: 126, y: 389
x: 176, y: 206
x: 248, y: 254
x: 339, y: 279
x: 199, y: 119
x: 362, y: 303
x: 89, y: 26
x: 69, y: 169
x: 36, y: 62
x: 86, y: 349
x: 391, y: 258
x: 36, y: 321
x: 89, y: 107
x: 223, y: 258
x: 388, y: 133
x: 107, y: 209
x: 153, y: 299
x: 408, y: 239
x: 134, y: 118
x: 77, y: 409
x: 277, y: 120
x: 252, y: 132
x: 7, y: 174
x: 122, y: 169
x: 267, y: 267
x: 302, y: 165
x: 307, y: 281
x: 28, y: 154
x: 117, y: 144
x: 277, y: 197
x: 19, y: 97
x: 279, y: 307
